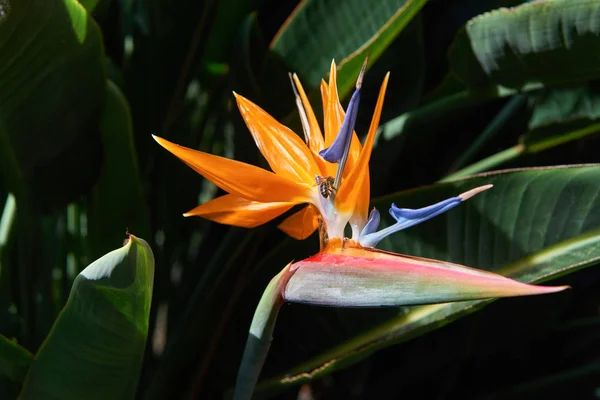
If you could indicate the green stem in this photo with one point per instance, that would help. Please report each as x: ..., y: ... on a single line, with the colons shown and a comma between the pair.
x: 260, y: 335
x: 487, y: 163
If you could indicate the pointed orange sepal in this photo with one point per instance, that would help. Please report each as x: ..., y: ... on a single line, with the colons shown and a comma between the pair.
x: 236, y: 211
x: 241, y: 179
x: 354, y: 191
x: 285, y: 152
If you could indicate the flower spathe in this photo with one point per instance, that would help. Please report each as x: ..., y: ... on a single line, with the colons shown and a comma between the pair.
x: 349, y: 275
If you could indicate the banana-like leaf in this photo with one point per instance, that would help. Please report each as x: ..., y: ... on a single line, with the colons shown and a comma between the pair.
x: 513, y: 47
x: 527, y: 47
x: 319, y: 30
x: 52, y: 82
x: 96, y: 346
x: 109, y: 214
x: 533, y: 225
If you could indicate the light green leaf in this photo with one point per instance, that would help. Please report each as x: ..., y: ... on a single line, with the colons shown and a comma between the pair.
x: 52, y: 85
x: 96, y: 346
x: 533, y: 225
x: 321, y: 30
x: 109, y: 214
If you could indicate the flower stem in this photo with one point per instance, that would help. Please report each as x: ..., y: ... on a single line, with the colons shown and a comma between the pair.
x: 260, y: 335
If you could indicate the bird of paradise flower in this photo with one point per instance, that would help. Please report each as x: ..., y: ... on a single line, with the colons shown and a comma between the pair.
x: 329, y: 172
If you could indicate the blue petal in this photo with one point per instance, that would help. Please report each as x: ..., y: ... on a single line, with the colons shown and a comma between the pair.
x: 372, y: 224
x: 406, y: 217
x: 334, y: 153
x: 423, y: 214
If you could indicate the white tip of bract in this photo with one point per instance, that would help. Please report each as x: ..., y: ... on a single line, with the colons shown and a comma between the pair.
x: 467, y: 195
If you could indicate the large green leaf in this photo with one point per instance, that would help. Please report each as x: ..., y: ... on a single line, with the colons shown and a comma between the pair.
x: 52, y: 83
x: 319, y: 30
x: 539, y: 43
x: 96, y: 346
x: 521, y: 48
x: 110, y: 215
x: 533, y: 225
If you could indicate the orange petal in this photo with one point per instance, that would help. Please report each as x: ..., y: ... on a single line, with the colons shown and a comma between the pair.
x: 286, y: 153
x: 324, y: 99
x: 354, y: 190
x: 241, y: 179
x: 234, y: 210
x: 315, y: 137
x: 302, y: 224
x: 361, y: 209
x: 334, y: 113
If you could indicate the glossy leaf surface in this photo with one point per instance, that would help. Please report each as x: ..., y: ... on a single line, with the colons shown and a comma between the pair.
x: 96, y: 346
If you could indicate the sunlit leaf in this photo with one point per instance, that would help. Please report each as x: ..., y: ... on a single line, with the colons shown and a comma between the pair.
x: 96, y: 346
x: 507, y: 50
x: 512, y: 47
